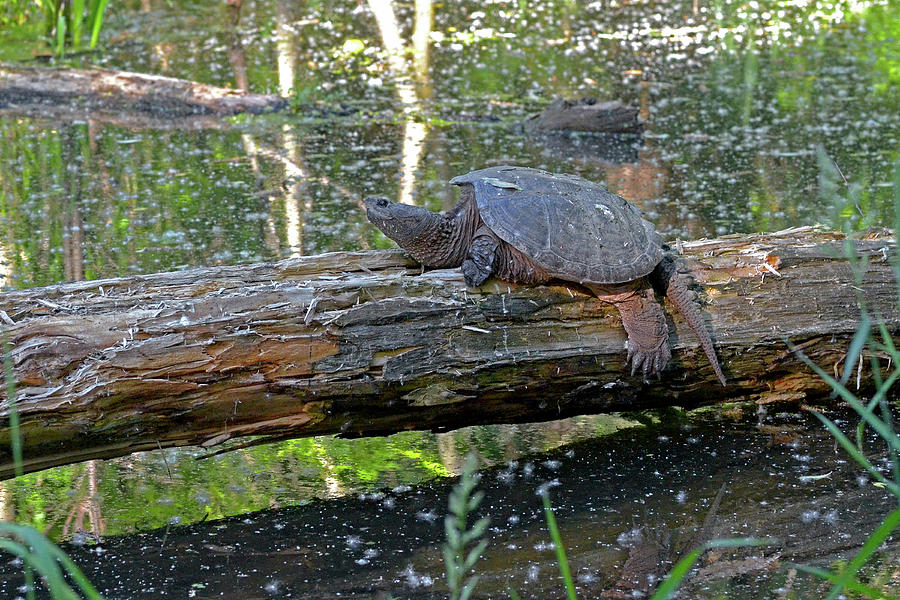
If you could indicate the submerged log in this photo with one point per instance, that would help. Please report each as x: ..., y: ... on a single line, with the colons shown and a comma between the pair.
x: 22, y: 87
x: 586, y: 115
x: 364, y: 343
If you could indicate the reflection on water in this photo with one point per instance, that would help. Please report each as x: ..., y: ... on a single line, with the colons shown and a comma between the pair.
x: 733, y: 121
x: 659, y: 490
x: 407, y: 86
x: 151, y: 489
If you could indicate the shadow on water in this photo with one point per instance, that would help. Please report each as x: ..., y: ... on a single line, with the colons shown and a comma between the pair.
x: 671, y: 486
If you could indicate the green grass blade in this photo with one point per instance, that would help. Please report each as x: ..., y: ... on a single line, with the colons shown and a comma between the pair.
x: 60, y: 34
x: 469, y: 587
x: 856, y: 454
x: 564, y: 570
x: 853, y: 585
x: 81, y: 580
x: 45, y: 566
x: 887, y: 346
x: 681, y: 568
x: 36, y: 560
x: 875, y: 366
x: 872, y: 544
x: 863, y: 333
x: 47, y: 557
x: 893, y: 442
x: 474, y: 554
x: 458, y: 557
x: 50, y: 10
x: 76, y: 18
x: 512, y: 593
x: 98, y: 22
x: 888, y: 341
x: 29, y: 583
x: 847, y: 395
x: 882, y: 390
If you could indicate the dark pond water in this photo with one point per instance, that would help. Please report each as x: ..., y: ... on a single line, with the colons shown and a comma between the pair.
x: 737, y: 99
x: 655, y: 491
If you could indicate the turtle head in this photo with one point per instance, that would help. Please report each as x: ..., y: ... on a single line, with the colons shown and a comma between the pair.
x: 419, y: 231
x: 402, y: 223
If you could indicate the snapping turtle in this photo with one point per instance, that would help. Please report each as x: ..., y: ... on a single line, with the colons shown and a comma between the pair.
x: 529, y: 226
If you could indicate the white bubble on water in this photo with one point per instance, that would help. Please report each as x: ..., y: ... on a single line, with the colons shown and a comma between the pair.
x: 808, y: 516
x: 429, y: 516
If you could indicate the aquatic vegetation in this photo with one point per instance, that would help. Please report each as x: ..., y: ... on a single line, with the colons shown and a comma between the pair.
x: 42, y: 558
x: 872, y: 341
x: 464, y: 544
x: 65, y: 24
x: 558, y: 546
x: 16, y: 12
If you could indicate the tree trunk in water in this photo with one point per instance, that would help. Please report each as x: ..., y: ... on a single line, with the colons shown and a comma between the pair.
x: 107, y: 90
x: 586, y: 115
x: 364, y: 343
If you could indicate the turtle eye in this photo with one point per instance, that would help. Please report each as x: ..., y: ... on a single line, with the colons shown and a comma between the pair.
x: 381, y: 202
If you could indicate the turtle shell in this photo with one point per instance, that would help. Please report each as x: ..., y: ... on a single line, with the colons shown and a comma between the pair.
x: 573, y: 228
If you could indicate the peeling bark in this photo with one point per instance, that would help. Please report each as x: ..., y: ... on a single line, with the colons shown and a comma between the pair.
x: 364, y: 343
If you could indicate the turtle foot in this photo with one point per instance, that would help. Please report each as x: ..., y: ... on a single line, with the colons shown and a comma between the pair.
x: 478, y: 265
x: 645, y: 325
x: 650, y: 361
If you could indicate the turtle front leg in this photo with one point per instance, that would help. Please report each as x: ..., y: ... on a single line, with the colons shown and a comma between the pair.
x: 645, y: 324
x: 479, y: 262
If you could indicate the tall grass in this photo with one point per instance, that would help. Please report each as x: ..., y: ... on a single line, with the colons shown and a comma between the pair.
x: 39, y: 556
x: 564, y: 571
x: 14, y: 12
x: 67, y: 23
x: 464, y: 545
x: 873, y: 341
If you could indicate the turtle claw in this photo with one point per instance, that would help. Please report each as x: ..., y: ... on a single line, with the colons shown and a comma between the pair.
x: 650, y: 361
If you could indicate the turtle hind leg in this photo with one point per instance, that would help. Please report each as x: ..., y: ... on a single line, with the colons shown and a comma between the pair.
x: 645, y: 324
x: 668, y: 281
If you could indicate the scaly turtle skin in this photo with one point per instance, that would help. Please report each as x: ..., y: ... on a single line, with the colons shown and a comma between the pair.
x: 529, y: 226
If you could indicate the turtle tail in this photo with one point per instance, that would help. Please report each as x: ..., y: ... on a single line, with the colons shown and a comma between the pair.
x: 666, y: 279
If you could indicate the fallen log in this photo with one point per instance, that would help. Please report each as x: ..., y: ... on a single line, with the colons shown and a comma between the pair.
x: 24, y: 87
x: 364, y: 343
x: 586, y: 115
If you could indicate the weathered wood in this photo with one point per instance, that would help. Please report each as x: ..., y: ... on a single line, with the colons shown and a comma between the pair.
x: 103, y: 89
x: 364, y: 343
x: 586, y: 115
